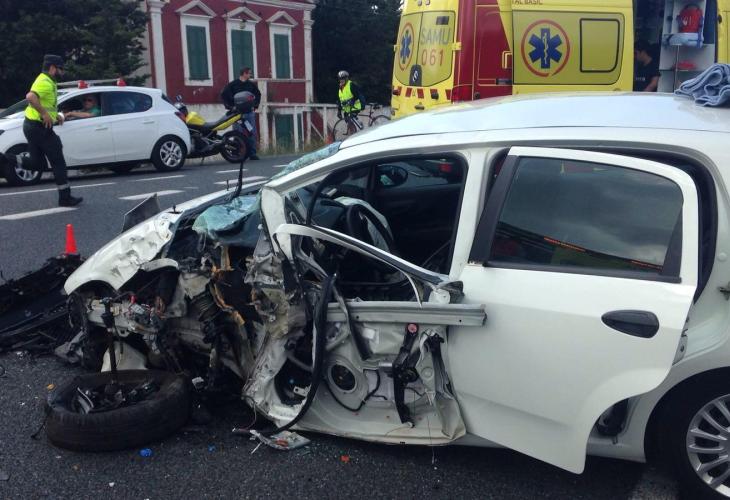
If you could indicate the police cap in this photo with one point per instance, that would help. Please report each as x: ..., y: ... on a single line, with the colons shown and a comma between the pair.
x: 51, y: 59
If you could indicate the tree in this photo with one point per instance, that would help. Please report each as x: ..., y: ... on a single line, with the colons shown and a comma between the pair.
x: 98, y: 38
x: 357, y: 36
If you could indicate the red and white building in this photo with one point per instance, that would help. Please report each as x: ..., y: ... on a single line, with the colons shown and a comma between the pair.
x: 197, y: 46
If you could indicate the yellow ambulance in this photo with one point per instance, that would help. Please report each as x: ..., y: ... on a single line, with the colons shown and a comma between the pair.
x: 460, y: 50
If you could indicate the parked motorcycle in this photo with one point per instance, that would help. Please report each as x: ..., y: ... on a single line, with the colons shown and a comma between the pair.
x: 205, y: 137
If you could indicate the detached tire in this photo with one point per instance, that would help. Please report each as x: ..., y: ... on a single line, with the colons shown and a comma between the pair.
x: 168, y: 154
x: 159, y: 415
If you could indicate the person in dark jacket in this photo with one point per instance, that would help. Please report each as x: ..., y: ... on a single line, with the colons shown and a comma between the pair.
x: 241, y: 84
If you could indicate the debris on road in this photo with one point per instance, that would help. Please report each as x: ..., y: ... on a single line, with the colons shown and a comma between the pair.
x: 33, y: 314
x: 145, y: 452
x: 284, y: 440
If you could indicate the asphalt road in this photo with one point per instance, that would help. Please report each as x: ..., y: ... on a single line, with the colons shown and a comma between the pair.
x: 211, y: 462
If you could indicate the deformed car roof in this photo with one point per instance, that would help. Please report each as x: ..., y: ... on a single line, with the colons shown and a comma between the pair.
x: 586, y: 109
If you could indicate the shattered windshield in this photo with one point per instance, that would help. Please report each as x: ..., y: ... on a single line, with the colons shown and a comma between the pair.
x: 227, y: 222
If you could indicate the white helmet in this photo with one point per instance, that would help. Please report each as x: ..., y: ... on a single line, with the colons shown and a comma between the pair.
x: 343, y: 74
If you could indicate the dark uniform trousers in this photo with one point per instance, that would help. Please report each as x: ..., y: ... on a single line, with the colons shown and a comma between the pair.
x: 44, y: 143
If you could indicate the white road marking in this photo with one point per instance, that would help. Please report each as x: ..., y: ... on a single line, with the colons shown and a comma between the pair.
x: 655, y: 486
x: 147, y: 195
x: 73, y: 186
x: 159, y: 178
x: 229, y: 171
x: 279, y: 166
x: 37, y: 213
x: 233, y: 182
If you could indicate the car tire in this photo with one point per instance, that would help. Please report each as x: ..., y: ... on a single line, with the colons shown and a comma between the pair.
x: 234, y: 148
x: 152, y: 419
x: 687, y: 419
x: 17, y: 176
x: 168, y: 154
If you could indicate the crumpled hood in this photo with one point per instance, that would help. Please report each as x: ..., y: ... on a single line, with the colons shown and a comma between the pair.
x: 120, y: 259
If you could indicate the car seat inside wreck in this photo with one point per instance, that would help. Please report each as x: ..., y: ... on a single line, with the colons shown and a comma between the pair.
x: 342, y: 334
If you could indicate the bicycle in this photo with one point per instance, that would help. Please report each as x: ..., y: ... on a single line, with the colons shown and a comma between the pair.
x: 351, y: 123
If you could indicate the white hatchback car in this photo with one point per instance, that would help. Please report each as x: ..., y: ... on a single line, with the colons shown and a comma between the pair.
x: 135, y: 124
x: 544, y: 273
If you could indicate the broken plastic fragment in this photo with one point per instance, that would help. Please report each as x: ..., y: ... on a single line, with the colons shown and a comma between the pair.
x: 284, y: 440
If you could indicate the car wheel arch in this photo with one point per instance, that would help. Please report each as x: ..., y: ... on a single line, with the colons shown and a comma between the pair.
x: 169, y: 136
x: 657, y: 422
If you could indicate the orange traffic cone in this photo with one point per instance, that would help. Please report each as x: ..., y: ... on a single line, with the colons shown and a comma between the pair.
x: 70, y: 240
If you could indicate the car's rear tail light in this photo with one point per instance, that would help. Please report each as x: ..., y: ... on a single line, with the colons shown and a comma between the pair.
x: 420, y: 93
x: 409, y: 91
x: 434, y: 94
x: 461, y: 93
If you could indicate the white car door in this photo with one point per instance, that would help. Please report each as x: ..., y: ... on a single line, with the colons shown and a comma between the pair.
x: 134, y: 124
x: 587, y: 264
x: 86, y: 141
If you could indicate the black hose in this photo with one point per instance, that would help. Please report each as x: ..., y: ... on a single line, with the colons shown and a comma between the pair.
x: 320, y: 323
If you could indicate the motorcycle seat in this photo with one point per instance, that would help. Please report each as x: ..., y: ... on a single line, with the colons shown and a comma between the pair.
x: 212, y: 125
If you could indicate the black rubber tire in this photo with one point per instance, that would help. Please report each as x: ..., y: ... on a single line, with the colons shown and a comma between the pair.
x: 679, y: 413
x: 9, y: 171
x: 157, y: 153
x: 150, y: 420
x: 237, y: 138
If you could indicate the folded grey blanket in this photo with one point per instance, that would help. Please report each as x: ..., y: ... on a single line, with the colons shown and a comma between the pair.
x: 710, y: 88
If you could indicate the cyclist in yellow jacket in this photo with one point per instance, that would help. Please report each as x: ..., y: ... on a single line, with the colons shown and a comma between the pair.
x: 351, y: 100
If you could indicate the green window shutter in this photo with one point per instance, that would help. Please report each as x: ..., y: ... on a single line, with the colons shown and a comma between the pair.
x: 284, y: 131
x: 242, y: 51
x: 281, y: 55
x: 197, y: 52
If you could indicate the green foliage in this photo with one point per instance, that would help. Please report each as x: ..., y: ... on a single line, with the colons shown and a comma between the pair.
x: 357, y: 36
x: 98, y: 38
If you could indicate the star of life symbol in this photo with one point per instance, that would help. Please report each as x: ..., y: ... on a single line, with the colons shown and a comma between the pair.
x: 405, y: 47
x: 545, y: 48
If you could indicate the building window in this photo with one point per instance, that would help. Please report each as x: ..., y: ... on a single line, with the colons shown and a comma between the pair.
x: 243, y: 52
x: 281, y: 52
x: 196, y: 51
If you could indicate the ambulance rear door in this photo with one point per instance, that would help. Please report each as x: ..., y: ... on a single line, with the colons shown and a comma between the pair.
x: 563, y: 45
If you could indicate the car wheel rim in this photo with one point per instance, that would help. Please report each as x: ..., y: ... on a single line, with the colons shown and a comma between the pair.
x: 25, y: 174
x: 171, y: 153
x: 708, y: 444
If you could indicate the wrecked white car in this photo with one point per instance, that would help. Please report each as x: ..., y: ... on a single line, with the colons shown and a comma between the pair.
x: 499, y: 273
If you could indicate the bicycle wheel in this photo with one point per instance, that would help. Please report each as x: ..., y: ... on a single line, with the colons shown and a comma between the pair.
x: 379, y: 120
x: 340, y: 131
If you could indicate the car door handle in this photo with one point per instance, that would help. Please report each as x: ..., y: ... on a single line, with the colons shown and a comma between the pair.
x: 104, y: 127
x: 642, y: 324
x: 147, y: 122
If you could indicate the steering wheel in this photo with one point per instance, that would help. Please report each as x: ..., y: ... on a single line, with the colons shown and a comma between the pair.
x: 357, y: 217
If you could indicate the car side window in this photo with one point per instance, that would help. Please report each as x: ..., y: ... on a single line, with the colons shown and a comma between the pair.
x: 589, y: 215
x: 415, y: 173
x: 119, y: 103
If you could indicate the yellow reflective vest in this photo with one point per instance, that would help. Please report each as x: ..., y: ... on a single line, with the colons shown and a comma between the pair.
x: 45, y: 88
x: 348, y: 100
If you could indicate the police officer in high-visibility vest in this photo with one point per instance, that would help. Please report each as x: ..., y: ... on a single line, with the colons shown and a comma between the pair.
x: 351, y: 100
x: 40, y: 117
